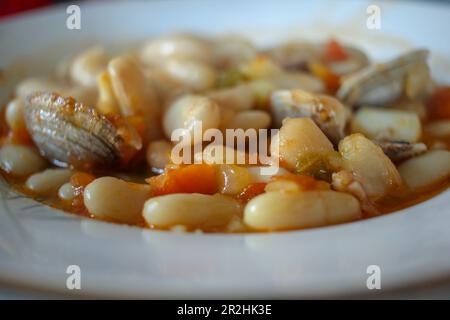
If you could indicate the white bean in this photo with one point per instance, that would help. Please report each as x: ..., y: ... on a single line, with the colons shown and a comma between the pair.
x: 297, y: 138
x: 88, y: 65
x: 168, y: 89
x: 237, y: 98
x: 427, y: 169
x: 233, y: 50
x: 20, y: 160
x: 233, y: 179
x: 282, y: 211
x: 377, y: 123
x: 66, y: 192
x: 115, y: 199
x: 192, y: 210
x: 135, y: 94
x: 48, y: 181
x: 14, y: 114
x: 191, y: 110
x: 255, y: 172
x: 251, y: 119
x: 30, y: 85
x: 179, y: 46
x: 370, y: 166
x: 282, y: 185
x: 219, y: 154
x: 107, y: 102
x: 192, y: 74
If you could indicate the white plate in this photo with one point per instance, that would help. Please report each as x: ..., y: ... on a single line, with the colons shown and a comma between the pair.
x: 37, y: 244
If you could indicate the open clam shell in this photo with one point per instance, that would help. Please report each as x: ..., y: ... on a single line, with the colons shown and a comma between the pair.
x: 69, y: 133
x: 401, y: 150
x: 383, y: 83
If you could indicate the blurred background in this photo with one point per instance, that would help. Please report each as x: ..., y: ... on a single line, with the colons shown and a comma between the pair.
x: 12, y: 7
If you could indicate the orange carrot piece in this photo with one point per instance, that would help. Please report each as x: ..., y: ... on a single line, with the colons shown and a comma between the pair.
x: 195, y: 178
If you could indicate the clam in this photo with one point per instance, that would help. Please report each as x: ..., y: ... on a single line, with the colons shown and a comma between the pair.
x: 381, y: 84
x: 69, y: 133
x: 401, y: 150
x: 327, y: 112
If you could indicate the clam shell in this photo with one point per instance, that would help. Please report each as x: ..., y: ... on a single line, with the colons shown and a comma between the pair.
x: 69, y: 133
x: 398, y: 151
x: 382, y: 83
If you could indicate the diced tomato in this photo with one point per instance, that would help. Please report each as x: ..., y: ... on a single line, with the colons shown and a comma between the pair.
x: 195, y: 178
x: 331, y: 80
x: 439, y: 104
x: 19, y: 135
x: 334, y: 51
x: 251, y: 191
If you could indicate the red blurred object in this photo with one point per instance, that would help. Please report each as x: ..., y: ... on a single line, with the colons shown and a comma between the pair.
x: 334, y: 51
x: 10, y: 7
